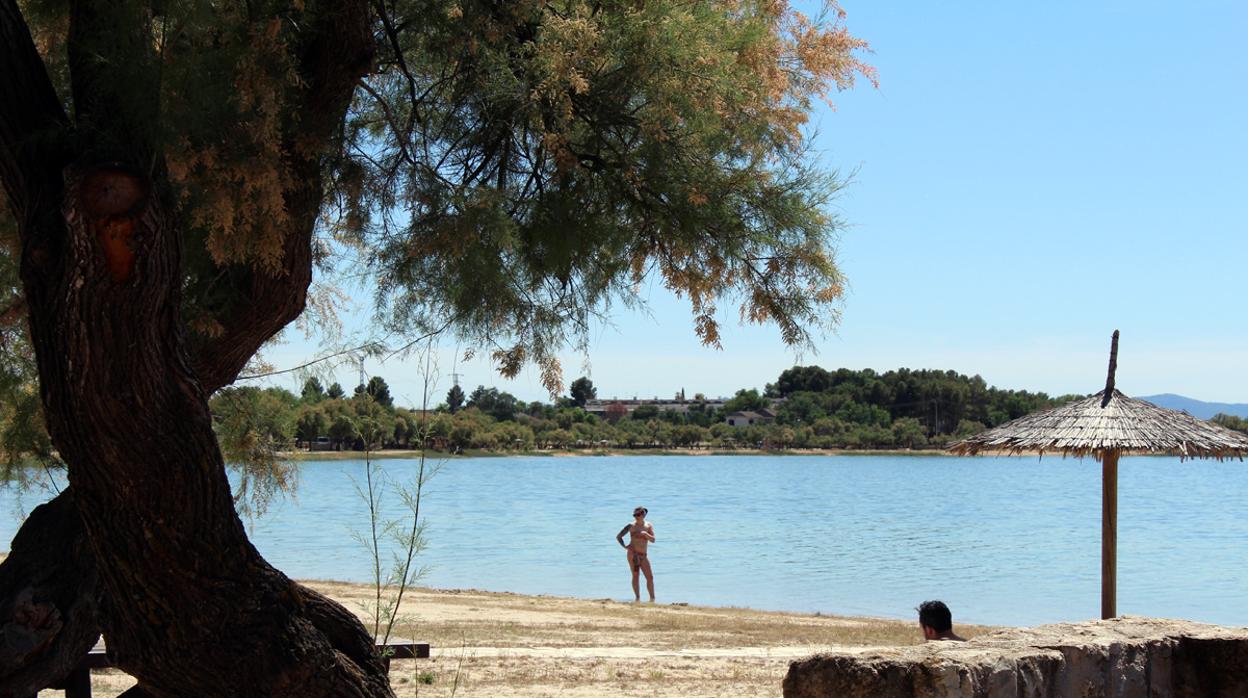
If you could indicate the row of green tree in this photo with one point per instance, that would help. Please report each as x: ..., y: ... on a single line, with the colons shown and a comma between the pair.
x: 809, y: 407
x: 944, y: 402
x: 1230, y: 421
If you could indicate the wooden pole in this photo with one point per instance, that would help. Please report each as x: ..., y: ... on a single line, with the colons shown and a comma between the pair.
x: 1109, y: 534
x: 1113, y: 368
x: 1109, y: 503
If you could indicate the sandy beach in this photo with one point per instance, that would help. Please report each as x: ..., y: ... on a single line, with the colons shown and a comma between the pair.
x: 516, y: 646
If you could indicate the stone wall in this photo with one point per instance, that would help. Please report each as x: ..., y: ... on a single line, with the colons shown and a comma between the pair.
x: 1129, y: 657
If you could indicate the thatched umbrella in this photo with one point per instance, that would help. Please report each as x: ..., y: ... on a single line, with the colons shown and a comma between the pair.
x: 1106, y: 426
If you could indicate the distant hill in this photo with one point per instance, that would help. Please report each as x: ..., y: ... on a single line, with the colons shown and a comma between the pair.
x: 1196, y: 408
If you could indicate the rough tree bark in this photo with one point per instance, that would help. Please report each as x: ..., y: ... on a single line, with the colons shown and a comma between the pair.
x: 49, y: 593
x: 186, y: 603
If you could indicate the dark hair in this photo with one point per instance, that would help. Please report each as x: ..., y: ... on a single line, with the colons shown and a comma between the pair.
x: 936, y: 615
x: 642, y: 509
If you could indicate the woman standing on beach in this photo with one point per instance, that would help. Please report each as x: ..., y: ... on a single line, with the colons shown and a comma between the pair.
x: 640, y: 535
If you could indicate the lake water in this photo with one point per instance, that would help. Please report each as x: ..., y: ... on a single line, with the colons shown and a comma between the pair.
x: 1011, y: 541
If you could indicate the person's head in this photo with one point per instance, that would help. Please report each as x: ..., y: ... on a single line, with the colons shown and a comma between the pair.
x: 935, y: 619
x: 640, y: 512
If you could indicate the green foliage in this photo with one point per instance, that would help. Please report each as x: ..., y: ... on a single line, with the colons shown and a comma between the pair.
x: 343, y: 430
x: 313, y: 392
x: 24, y: 441
x: 940, y: 400
x: 310, y: 424
x: 582, y: 391
x: 856, y: 413
x: 379, y: 390
x: 852, y: 409
x: 454, y: 398
x: 967, y: 427
x: 746, y: 400
x: 1231, y: 422
x: 252, y: 427
x: 499, y: 405
x: 644, y: 413
x: 407, y: 427
x: 548, y: 156
x: 374, y: 423
x: 802, y: 408
x: 909, y: 433
x: 249, y: 420
x: 335, y: 392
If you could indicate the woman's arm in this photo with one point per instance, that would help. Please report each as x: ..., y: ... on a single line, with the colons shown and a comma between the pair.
x: 619, y: 537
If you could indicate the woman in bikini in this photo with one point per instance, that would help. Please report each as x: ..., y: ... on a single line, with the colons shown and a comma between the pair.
x: 640, y: 535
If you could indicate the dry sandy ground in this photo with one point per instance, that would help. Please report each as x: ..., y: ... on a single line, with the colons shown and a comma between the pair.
x: 504, y: 645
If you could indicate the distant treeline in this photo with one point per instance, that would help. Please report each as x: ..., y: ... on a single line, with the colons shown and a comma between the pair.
x: 1231, y: 422
x: 944, y: 403
x: 812, y: 408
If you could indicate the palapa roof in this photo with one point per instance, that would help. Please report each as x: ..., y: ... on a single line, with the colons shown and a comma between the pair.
x: 1093, y: 426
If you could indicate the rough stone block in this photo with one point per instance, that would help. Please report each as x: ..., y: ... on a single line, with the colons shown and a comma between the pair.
x: 1127, y: 657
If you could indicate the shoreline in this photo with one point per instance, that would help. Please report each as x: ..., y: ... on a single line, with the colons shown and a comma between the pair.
x: 509, y: 645
x: 390, y: 454
x: 348, y: 587
x: 302, y: 455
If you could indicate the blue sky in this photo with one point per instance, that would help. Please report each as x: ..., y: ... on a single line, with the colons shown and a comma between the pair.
x: 1027, y: 178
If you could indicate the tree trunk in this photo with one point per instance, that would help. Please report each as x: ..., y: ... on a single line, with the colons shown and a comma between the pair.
x: 185, y: 602
x: 190, y: 606
x: 50, y: 595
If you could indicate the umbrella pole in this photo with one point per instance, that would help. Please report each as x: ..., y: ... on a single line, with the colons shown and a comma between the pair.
x: 1109, y: 534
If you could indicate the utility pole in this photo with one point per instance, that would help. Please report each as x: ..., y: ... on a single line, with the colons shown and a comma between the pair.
x: 455, y: 377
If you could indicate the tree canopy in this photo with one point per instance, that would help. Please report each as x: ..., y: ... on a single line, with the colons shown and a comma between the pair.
x: 582, y: 391
x: 505, y: 171
x: 379, y: 390
x: 312, y: 390
x: 534, y: 160
x: 501, y: 171
x: 942, y: 400
x: 455, y: 398
x: 1231, y: 421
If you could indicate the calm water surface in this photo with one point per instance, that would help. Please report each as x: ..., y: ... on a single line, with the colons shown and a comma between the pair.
x: 1006, y: 541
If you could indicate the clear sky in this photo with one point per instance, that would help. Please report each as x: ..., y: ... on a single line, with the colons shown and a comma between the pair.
x: 1027, y: 178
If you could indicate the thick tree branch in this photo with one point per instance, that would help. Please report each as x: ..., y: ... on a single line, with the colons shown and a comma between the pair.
x: 31, y: 119
x: 341, y: 629
x: 335, y: 52
x: 191, y: 607
x: 115, y: 78
x: 49, y: 593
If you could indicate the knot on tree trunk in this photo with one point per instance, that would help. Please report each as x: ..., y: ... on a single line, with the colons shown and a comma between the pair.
x: 113, y: 199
